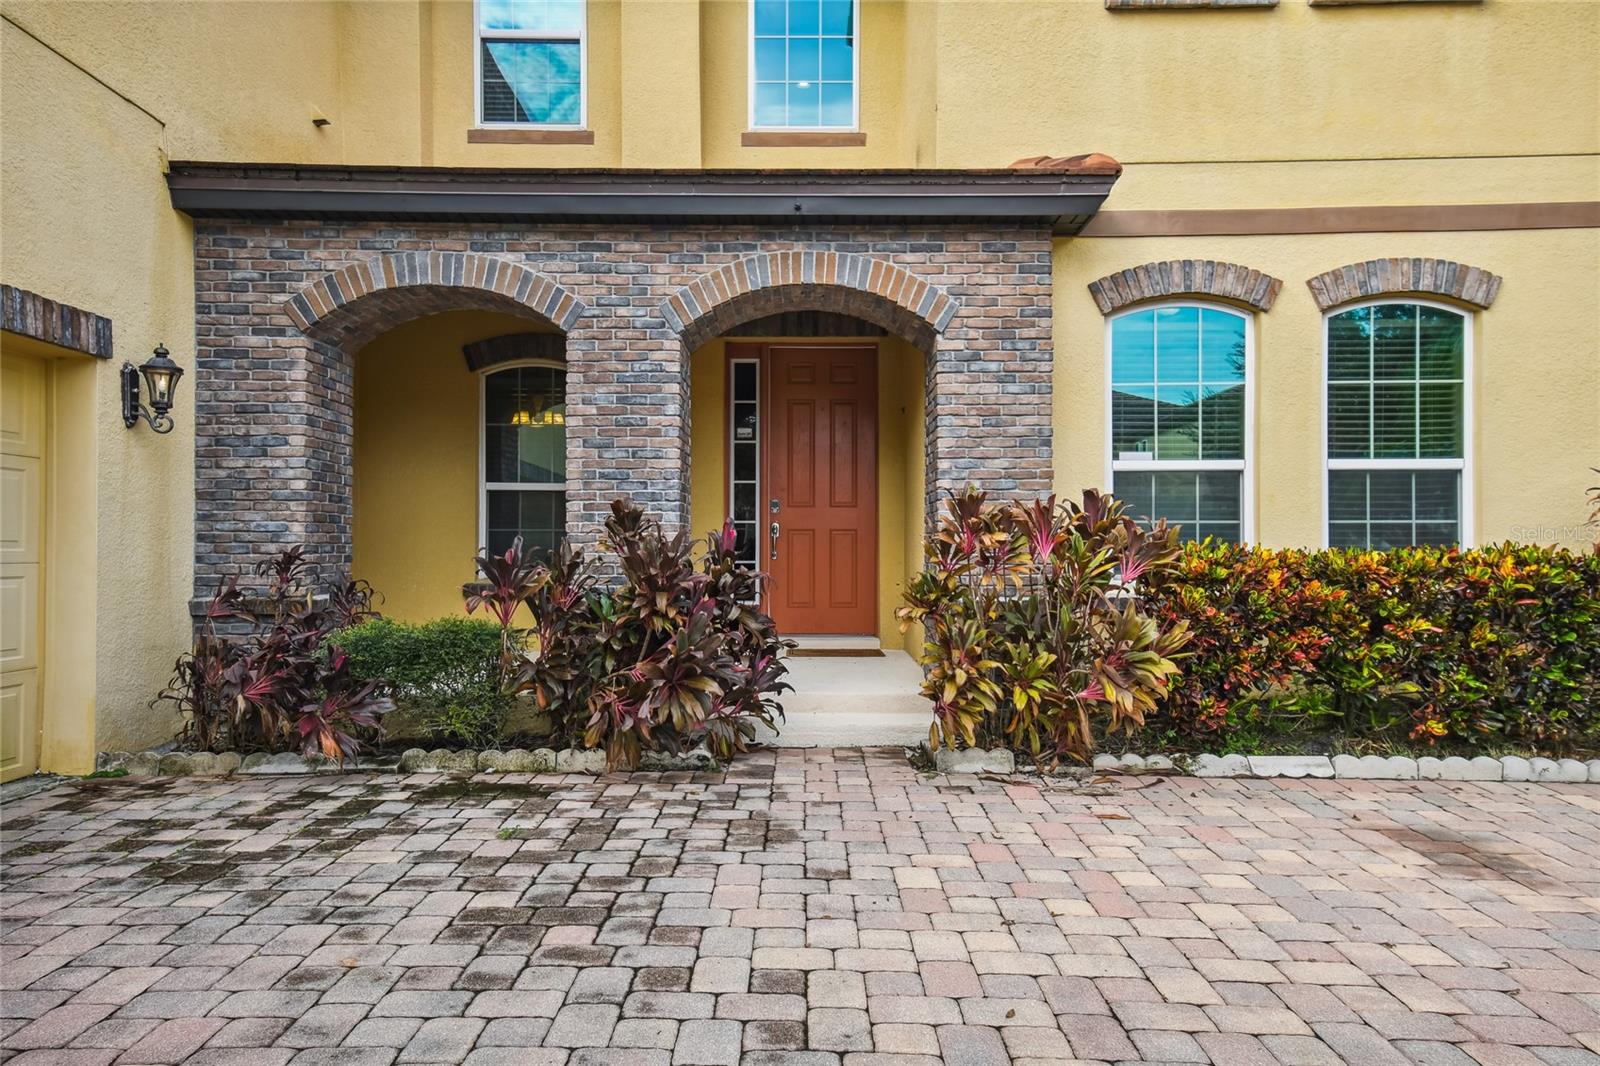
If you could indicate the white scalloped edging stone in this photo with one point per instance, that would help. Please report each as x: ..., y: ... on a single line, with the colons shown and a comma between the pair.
x: 1375, y: 767
x: 975, y: 761
x: 1220, y: 766
x: 1459, y: 768
x: 1291, y: 766
x: 412, y: 760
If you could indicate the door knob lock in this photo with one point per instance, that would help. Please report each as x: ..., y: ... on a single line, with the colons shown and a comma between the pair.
x: 773, y: 537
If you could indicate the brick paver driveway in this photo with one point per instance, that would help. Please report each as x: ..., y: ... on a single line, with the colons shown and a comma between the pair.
x: 808, y: 907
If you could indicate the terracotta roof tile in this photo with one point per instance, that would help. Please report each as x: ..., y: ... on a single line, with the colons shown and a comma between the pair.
x: 1091, y: 163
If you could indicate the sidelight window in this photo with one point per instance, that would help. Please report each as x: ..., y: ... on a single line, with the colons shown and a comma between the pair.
x: 744, y: 466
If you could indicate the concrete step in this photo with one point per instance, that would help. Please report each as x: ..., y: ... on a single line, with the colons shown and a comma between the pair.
x: 854, y: 702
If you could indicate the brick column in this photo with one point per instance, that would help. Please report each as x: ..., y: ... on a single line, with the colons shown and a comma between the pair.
x: 627, y: 427
x: 272, y: 455
x: 988, y: 404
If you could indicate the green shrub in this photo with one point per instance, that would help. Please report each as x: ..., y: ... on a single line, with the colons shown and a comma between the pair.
x: 1490, y: 646
x: 447, y: 672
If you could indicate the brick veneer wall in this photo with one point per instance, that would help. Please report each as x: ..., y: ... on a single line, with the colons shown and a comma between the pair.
x: 282, y: 307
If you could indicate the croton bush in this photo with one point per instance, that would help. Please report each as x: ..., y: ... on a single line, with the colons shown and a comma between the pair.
x: 674, y: 654
x: 1488, y: 646
x: 1032, y: 637
x: 276, y: 687
x: 1050, y: 627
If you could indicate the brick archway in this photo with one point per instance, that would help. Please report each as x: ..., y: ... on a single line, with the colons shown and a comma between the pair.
x: 1242, y: 285
x: 1465, y: 284
x: 872, y: 289
x: 352, y: 305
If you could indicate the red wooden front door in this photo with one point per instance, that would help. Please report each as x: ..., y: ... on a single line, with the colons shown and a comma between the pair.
x: 821, y: 468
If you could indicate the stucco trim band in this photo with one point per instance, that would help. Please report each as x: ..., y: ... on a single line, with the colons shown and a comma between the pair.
x: 1417, y: 218
x: 1377, y: 277
x: 1185, y: 277
x: 31, y: 315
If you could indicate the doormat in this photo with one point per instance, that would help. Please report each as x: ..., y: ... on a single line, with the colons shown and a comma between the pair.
x: 836, y: 653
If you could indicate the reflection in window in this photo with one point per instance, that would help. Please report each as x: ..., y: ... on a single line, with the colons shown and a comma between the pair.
x: 524, y: 457
x: 803, y: 64
x: 1396, y: 425
x: 1178, y: 417
x: 530, y: 62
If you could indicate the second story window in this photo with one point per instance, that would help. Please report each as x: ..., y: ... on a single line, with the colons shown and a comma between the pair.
x: 803, y: 64
x: 530, y: 63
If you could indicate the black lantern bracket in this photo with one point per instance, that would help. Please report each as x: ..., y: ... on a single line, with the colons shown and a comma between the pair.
x: 160, y: 376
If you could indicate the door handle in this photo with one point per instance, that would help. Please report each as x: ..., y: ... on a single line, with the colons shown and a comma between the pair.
x: 773, y: 532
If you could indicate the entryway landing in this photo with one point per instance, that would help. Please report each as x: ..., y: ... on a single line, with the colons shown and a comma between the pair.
x: 836, y: 645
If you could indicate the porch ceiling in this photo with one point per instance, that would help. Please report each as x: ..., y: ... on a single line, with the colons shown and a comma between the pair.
x: 1063, y: 197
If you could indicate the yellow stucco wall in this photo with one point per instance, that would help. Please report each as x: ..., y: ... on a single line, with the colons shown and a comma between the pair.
x: 416, y: 461
x: 84, y: 220
x: 900, y: 461
x: 1536, y: 374
x: 956, y: 83
x: 1444, y: 81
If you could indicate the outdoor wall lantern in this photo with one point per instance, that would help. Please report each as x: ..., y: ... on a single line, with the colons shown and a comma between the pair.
x: 161, y: 376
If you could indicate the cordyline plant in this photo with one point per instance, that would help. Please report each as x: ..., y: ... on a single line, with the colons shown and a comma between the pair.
x: 677, y: 654
x: 1033, y: 636
x: 276, y: 688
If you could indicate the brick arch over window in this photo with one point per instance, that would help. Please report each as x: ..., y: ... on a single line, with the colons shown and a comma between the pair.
x: 872, y: 289
x: 1418, y: 277
x: 1185, y: 277
x: 355, y: 304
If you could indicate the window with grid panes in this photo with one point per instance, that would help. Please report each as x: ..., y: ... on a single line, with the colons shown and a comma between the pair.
x: 1396, y: 426
x: 803, y: 64
x: 744, y: 466
x: 524, y: 458
x: 530, y: 56
x: 1179, y: 417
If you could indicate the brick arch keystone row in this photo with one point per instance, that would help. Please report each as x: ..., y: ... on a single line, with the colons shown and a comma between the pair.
x: 325, y: 310
x: 691, y: 311
x: 1185, y: 277
x: 1378, y: 277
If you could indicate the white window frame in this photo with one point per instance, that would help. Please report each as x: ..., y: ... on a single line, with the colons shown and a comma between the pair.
x: 581, y: 37
x: 1465, y: 524
x: 485, y: 487
x: 761, y: 528
x: 750, y: 80
x: 1244, y: 467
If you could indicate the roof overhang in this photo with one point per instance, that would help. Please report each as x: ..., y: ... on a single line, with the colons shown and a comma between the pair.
x: 1062, y: 200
